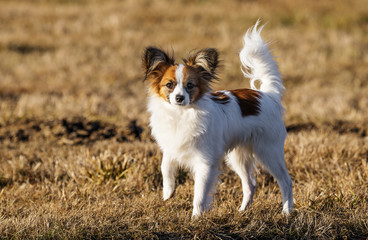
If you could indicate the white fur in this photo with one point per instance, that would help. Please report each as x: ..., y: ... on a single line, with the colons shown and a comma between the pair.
x: 258, y: 64
x: 179, y: 89
x: 198, y: 136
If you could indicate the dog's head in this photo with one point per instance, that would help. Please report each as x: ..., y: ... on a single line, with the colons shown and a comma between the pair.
x: 180, y: 84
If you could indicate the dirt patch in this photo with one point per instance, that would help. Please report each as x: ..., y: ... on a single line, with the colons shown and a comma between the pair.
x: 339, y: 126
x: 300, y: 127
x: 79, y: 130
x: 343, y: 127
x: 73, y: 131
x: 28, y: 48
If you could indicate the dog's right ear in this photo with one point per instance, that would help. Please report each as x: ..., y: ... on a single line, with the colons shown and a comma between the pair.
x: 155, y: 62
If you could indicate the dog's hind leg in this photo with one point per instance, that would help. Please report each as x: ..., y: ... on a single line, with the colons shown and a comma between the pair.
x: 273, y: 160
x: 241, y: 161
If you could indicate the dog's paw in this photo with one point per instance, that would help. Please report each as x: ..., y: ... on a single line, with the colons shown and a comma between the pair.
x: 286, y: 211
x: 167, y: 193
x: 245, y: 204
x: 196, y: 215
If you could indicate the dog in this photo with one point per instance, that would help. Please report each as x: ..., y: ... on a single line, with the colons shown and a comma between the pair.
x: 197, y: 128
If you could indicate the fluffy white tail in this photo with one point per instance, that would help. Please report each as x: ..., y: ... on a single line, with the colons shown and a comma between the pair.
x: 258, y: 64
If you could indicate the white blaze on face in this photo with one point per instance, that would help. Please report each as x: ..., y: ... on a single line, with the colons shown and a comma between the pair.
x: 179, y: 96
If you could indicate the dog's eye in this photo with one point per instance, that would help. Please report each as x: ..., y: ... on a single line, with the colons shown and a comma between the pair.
x: 190, y: 86
x: 169, y: 85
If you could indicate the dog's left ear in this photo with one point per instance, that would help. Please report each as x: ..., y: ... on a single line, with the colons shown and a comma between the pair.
x: 206, y: 59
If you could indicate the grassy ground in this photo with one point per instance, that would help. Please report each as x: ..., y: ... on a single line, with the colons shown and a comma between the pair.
x: 76, y: 156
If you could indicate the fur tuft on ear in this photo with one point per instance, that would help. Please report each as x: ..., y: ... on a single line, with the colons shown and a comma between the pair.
x: 207, y: 59
x: 155, y: 61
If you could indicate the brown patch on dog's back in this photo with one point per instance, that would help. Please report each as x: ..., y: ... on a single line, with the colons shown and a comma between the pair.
x: 220, y: 97
x: 248, y: 100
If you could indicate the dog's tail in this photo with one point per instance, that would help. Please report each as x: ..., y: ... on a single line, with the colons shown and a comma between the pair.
x: 258, y: 64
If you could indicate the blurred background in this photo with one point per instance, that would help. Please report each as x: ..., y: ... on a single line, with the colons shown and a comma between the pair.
x: 75, y: 57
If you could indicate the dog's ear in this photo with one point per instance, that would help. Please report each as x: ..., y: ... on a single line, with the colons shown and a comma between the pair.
x: 155, y: 61
x: 207, y: 59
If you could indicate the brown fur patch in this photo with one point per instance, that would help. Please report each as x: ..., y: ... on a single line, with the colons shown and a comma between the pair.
x: 155, y: 77
x: 220, y: 97
x: 168, y: 77
x: 193, y: 76
x: 155, y: 64
x: 248, y: 100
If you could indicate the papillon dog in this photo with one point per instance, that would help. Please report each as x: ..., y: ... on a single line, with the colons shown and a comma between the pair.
x: 197, y: 128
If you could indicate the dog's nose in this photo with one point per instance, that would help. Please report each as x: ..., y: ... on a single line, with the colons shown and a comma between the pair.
x: 179, y: 98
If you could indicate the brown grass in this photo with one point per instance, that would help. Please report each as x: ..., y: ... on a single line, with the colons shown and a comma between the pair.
x: 76, y: 156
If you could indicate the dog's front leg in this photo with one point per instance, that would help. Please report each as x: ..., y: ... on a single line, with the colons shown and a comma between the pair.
x: 168, y: 169
x: 205, y: 177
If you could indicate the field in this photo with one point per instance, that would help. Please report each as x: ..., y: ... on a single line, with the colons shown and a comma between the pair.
x: 76, y: 156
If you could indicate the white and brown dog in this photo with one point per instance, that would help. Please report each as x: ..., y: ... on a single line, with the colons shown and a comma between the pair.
x: 196, y: 128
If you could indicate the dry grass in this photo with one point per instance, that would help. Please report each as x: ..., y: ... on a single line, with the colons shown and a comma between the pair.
x: 76, y: 156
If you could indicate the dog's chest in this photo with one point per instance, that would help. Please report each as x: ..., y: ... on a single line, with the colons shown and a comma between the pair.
x: 176, y: 130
